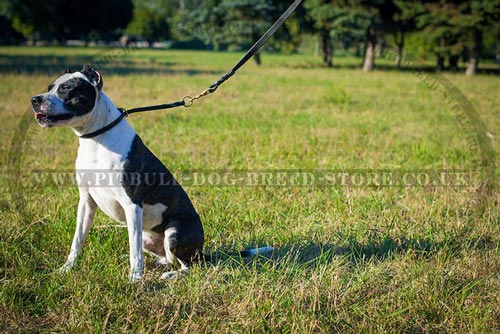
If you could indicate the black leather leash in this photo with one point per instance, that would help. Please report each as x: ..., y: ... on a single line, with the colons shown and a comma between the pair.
x: 187, y: 101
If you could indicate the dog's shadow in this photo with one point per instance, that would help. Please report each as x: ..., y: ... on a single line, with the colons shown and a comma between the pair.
x: 305, y: 254
x: 311, y: 254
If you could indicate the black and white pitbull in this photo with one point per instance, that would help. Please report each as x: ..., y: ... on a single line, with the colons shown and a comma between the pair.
x: 156, y: 210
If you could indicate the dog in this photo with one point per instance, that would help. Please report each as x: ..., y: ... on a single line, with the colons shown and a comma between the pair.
x: 157, y: 211
x: 159, y: 215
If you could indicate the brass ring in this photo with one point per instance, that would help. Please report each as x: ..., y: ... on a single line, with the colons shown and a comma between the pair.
x: 188, y: 101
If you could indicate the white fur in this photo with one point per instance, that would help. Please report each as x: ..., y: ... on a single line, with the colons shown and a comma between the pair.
x: 152, y: 215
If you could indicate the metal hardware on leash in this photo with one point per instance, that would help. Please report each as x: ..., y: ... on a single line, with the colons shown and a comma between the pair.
x: 123, y: 111
x: 187, y: 101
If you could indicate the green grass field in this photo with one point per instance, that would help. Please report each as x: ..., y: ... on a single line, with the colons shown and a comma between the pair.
x: 348, y: 259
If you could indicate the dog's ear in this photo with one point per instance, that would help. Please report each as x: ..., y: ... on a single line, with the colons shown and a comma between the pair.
x: 68, y: 69
x: 94, y: 77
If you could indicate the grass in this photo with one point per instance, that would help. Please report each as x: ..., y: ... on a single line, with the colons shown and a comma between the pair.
x: 417, y: 259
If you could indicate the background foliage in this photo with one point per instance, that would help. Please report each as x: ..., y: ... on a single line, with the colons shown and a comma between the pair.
x: 447, y: 30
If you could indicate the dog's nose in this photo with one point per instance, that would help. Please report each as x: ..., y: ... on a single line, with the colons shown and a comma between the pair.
x: 36, y: 100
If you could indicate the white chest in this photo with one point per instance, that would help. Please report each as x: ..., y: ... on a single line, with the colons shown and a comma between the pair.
x: 99, y: 170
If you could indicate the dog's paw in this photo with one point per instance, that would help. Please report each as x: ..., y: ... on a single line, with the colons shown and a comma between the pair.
x: 135, y: 277
x: 67, y: 267
x: 171, y: 275
x: 163, y: 262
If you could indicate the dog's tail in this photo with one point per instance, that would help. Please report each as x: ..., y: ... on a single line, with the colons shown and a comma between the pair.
x: 256, y: 251
x: 244, y: 253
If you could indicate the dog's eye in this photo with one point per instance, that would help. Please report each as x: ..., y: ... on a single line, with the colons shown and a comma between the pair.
x: 63, y: 87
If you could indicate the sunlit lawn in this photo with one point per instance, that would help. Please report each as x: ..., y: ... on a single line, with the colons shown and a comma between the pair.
x: 348, y: 259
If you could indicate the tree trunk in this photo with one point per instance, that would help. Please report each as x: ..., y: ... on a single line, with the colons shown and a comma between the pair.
x: 326, y: 47
x: 399, y: 56
x: 371, y: 41
x: 381, y: 45
x: 256, y: 59
x: 400, y: 43
x: 475, y: 53
x: 454, y: 62
x: 440, y: 57
x: 440, y: 63
x: 497, y: 53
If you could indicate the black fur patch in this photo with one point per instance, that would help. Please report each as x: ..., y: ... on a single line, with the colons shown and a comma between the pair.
x: 147, y: 181
x: 78, y: 96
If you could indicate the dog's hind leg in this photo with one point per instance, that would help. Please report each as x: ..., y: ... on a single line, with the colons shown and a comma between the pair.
x: 153, y: 243
x: 171, y: 242
x: 183, y: 244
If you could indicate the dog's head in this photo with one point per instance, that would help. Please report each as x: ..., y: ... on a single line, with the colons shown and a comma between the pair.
x: 69, y: 98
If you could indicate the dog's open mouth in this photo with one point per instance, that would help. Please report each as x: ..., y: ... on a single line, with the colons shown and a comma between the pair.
x: 43, y: 118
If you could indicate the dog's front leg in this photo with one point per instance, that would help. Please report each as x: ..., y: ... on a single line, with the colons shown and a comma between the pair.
x: 133, y: 214
x: 85, y: 215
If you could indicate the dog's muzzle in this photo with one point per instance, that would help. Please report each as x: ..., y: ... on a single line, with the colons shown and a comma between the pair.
x: 44, y: 117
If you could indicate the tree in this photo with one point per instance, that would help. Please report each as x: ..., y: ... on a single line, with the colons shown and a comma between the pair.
x: 371, y: 42
x: 206, y: 22
x: 480, y: 15
x: 246, y: 20
x: 62, y: 19
x: 404, y: 20
x: 375, y: 12
x: 7, y: 34
x: 457, y: 27
x: 83, y: 19
x: 290, y: 36
x: 350, y: 29
x: 323, y: 13
x: 441, y: 22
x: 219, y: 23
x: 344, y: 20
x: 32, y: 18
x: 231, y: 23
x: 150, y: 20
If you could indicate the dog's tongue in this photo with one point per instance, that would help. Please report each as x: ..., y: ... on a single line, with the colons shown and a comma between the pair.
x: 38, y: 115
